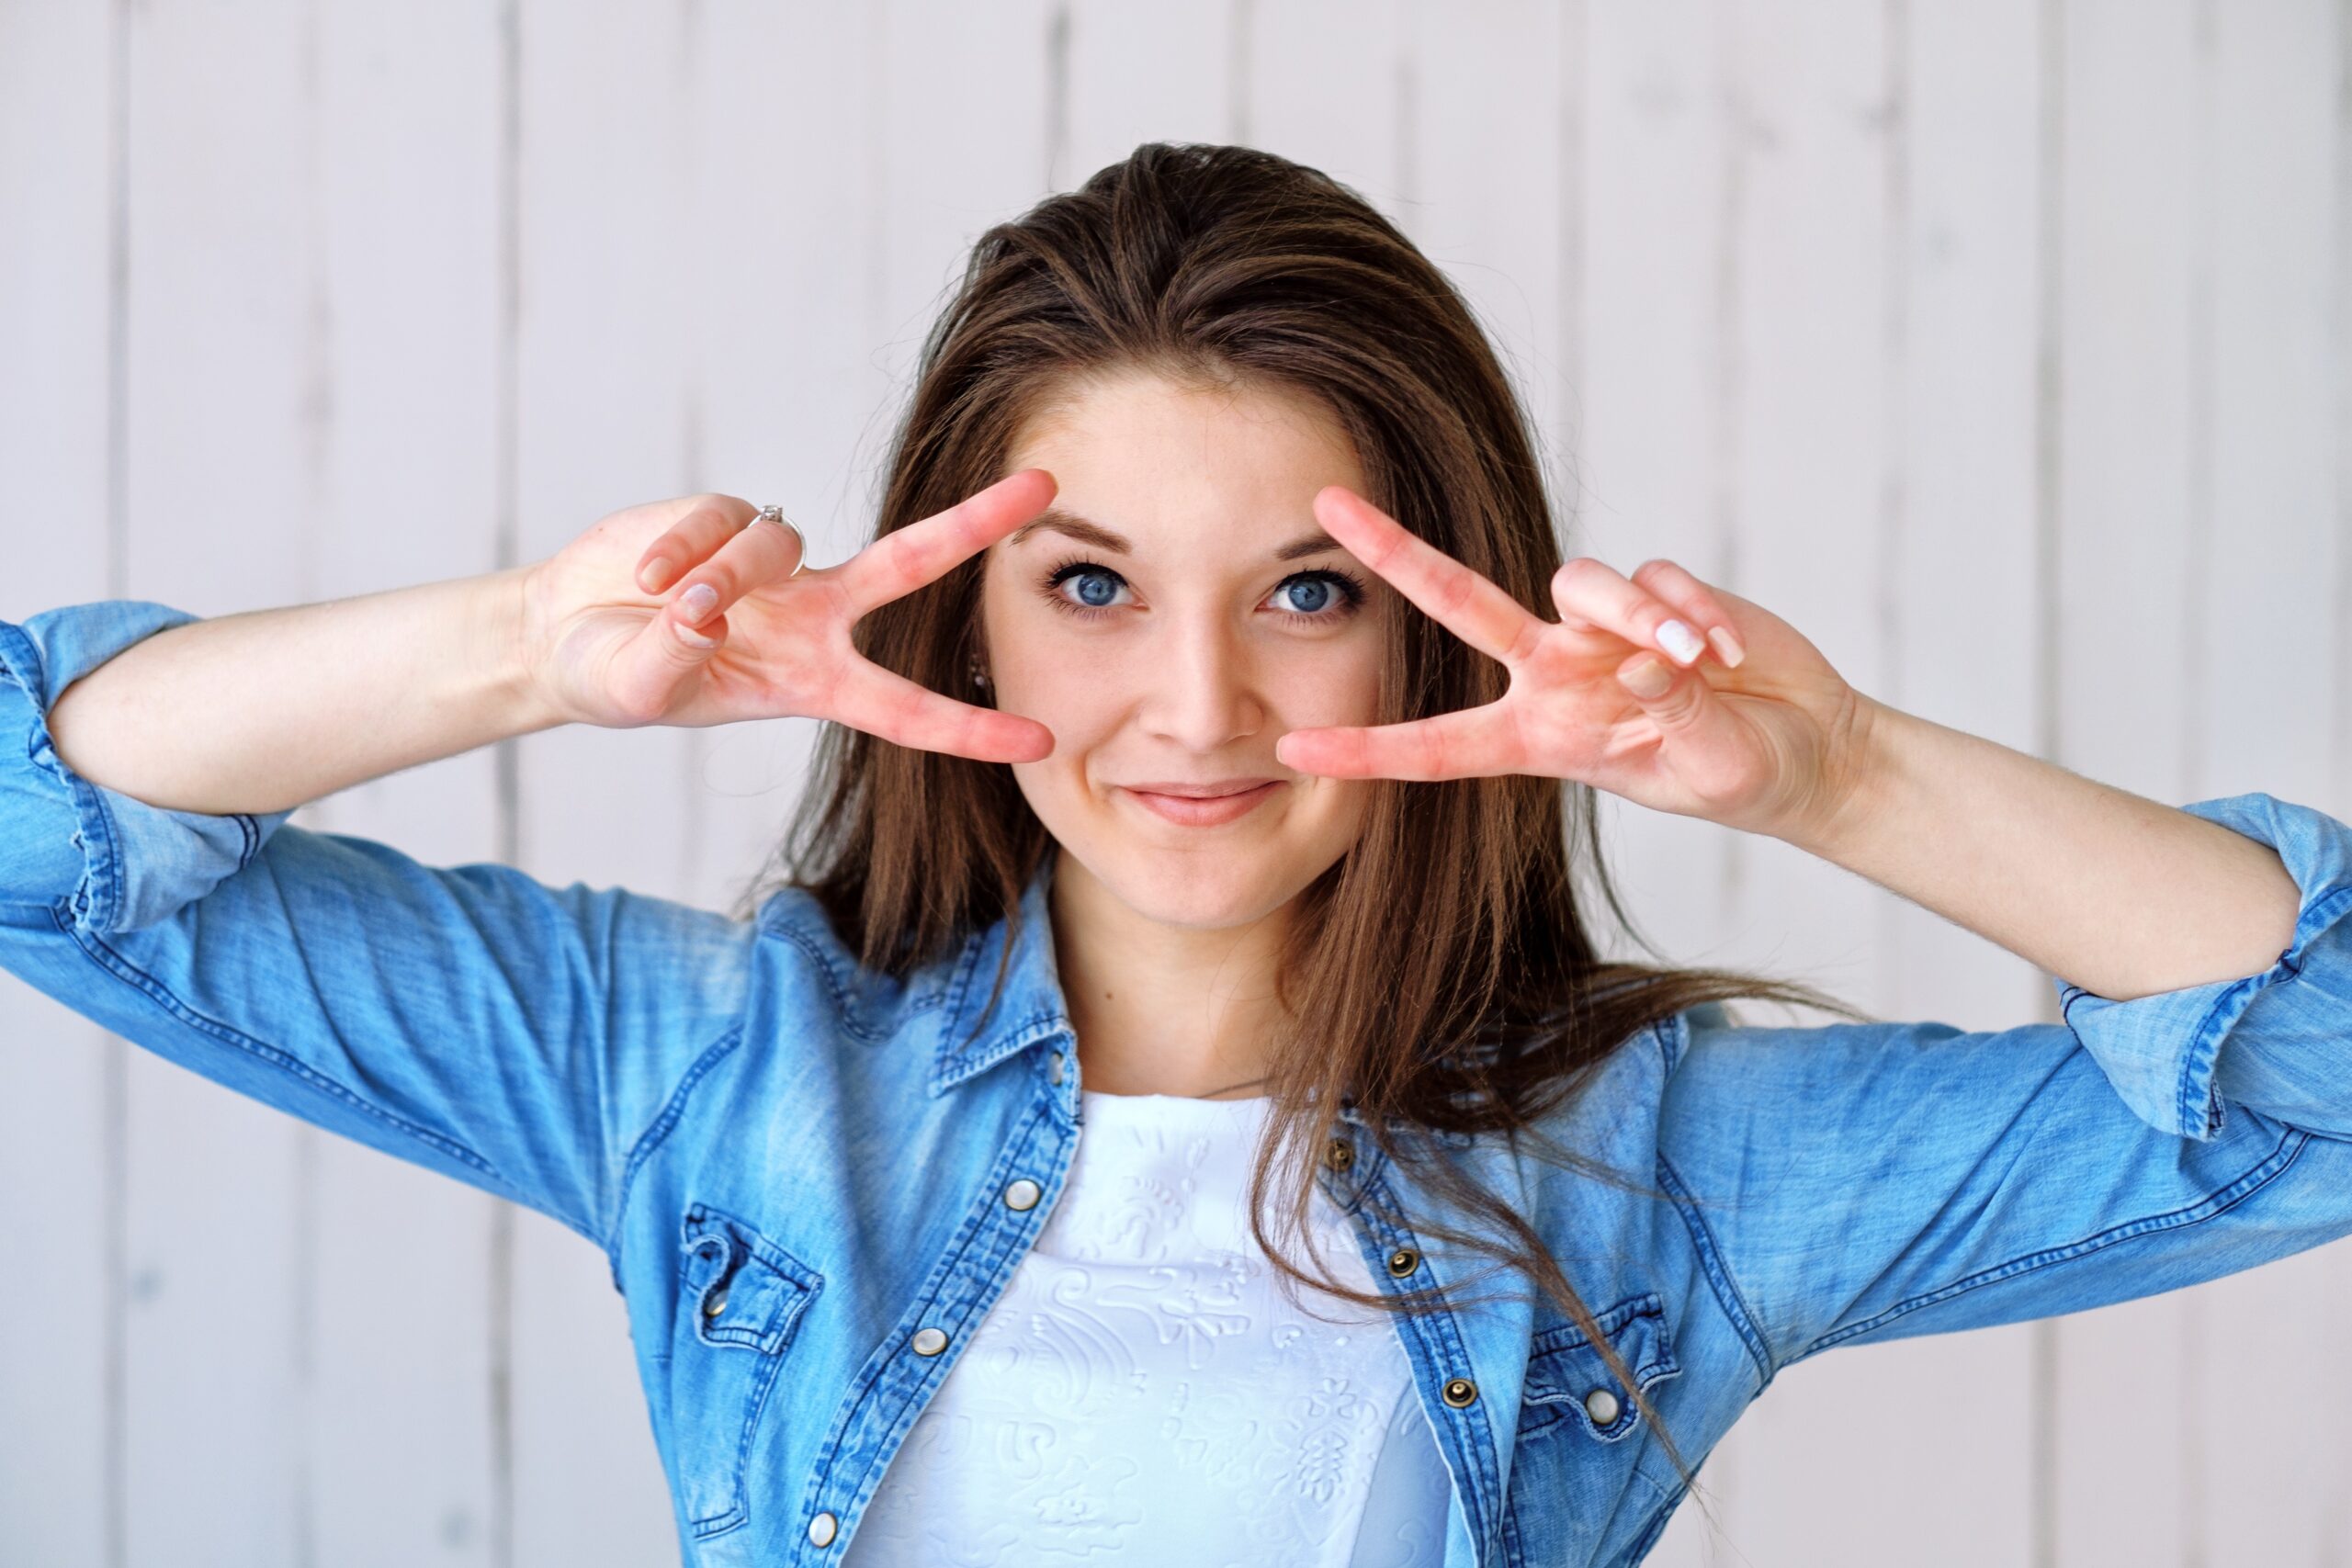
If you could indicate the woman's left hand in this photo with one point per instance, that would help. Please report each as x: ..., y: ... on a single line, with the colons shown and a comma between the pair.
x: 1769, y: 744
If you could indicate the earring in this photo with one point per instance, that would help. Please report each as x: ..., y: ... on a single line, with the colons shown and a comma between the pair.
x: 977, y: 679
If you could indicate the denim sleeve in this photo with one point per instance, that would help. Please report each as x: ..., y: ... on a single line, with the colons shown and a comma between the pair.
x: 1856, y: 1182
x: 516, y: 1036
x: 116, y: 862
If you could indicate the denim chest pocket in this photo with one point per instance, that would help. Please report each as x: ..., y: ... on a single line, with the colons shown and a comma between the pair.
x: 740, y: 1298
x: 1571, y: 1463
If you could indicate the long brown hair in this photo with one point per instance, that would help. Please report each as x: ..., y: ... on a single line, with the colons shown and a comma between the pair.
x: 1491, y: 1007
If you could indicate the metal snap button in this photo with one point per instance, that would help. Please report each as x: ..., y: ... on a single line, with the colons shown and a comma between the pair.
x: 1023, y: 1193
x: 1601, y: 1406
x: 929, y: 1341
x: 1054, y: 1068
x: 716, y: 1302
x: 1459, y: 1392
x: 1338, y: 1154
x: 821, y: 1529
x: 1403, y: 1261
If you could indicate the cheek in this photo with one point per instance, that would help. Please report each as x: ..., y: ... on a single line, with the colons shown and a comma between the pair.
x: 1340, y: 685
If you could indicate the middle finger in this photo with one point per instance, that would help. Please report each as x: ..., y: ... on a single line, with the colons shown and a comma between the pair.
x: 905, y: 558
x: 1592, y: 593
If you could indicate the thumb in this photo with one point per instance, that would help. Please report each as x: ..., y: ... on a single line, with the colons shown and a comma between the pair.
x: 666, y: 650
x: 686, y: 646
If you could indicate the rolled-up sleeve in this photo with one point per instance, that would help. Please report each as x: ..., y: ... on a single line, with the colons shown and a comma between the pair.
x: 114, y: 864
x: 1849, y: 1183
x: 2280, y: 1041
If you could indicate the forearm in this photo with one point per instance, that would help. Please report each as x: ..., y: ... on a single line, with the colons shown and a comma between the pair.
x: 268, y: 709
x: 2119, y: 894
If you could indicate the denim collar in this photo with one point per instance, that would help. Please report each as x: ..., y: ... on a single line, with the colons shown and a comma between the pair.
x: 1032, y: 1010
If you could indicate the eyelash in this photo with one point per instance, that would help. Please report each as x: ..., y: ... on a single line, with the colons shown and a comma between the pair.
x: 1351, y: 590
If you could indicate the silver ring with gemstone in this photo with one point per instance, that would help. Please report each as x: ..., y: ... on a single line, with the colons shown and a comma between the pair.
x: 776, y: 514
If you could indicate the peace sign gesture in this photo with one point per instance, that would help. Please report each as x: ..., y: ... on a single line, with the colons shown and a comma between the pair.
x: 618, y: 634
x: 1762, y: 740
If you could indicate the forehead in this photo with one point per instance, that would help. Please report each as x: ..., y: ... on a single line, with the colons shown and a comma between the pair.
x: 1138, y: 442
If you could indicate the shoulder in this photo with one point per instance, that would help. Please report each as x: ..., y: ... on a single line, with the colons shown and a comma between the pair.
x: 819, y: 971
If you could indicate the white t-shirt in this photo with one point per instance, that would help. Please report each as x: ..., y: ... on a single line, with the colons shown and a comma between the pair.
x: 1142, y: 1393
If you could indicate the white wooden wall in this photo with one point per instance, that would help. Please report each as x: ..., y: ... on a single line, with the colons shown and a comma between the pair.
x: 2001, y: 344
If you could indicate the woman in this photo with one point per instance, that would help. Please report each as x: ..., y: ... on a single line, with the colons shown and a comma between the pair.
x: 1284, y: 1179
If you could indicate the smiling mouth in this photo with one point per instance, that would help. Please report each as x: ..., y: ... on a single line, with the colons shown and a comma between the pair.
x: 1204, y: 811
x: 1207, y: 790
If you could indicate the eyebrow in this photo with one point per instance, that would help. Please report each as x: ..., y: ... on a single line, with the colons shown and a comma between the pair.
x: 1054, y: 519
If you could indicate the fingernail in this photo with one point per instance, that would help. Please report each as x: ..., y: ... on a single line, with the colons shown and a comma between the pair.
x: 1681, y: 641
x: 1727, y: 644
x: 687, y: 635
x: 656, y: 573
x: 697, y: 601
x: 1647, y: 679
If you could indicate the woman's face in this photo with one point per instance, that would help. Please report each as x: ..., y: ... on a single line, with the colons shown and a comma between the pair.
x: 1181, y: 650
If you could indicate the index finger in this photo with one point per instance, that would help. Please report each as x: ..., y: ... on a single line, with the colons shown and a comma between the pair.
x: 905, y: 558
x: 1457, y: 598
x: 1472, y: 743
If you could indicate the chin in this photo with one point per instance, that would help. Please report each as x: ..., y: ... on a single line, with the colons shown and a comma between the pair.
x: 1198, y: 895
x: 1204, y: 886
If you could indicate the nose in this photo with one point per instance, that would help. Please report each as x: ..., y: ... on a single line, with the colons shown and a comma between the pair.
x: 1205, y: 691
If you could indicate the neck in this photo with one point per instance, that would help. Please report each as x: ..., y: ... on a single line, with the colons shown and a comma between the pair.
x: 1160, y: 1009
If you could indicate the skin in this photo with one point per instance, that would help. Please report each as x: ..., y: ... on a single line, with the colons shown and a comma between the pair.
x: 1208, y: 650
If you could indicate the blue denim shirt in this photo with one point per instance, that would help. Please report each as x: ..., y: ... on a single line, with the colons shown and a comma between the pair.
x: 794, y: 1163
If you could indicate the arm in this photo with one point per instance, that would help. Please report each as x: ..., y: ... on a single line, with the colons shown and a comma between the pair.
x: 2126, y: 897
x: 1866, y: 1181
x: 262, y: 711
x: 517, y: 1037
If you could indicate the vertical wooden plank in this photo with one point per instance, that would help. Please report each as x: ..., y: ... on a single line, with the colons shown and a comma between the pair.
x: 402, y: 313
x: 958, y: 149
x: 219, y: 444
x: 2266, y: 558
x: 1135, y: 74
x: 1331, y: 84
x: 607, y: 247
x: 60, y: 1203
x: 2133, y: 184
x: 1485, y: 181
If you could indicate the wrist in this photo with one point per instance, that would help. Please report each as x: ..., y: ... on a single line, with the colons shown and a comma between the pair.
x: 1858, y: 780
x: 512, y: 649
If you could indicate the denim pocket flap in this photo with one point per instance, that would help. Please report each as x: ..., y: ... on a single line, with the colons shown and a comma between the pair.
x: 1565, y: 1373
x: 742, y: 1288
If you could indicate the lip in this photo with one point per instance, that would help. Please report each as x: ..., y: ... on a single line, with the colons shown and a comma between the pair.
x: 1203, y: 811
x: 1200, y: 791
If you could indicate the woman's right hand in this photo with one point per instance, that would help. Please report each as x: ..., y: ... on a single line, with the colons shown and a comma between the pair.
x: 606, y: 633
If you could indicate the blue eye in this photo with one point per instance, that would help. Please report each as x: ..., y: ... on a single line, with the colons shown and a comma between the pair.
x: 1329, y: 596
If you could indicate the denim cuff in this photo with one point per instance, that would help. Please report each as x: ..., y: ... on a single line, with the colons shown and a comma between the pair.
x: 2163, y: 1052
x: 111, y: 864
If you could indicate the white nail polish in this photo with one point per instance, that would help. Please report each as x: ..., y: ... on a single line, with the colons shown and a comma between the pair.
x: 697, y: 601
x: 1681, y: 641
